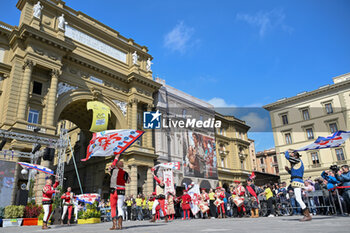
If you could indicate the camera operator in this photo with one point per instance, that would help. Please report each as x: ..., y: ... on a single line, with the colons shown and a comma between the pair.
x: 329, y: 176
x: 343, y: 176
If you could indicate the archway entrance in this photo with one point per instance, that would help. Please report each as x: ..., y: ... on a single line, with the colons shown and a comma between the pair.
x: 77, y: 120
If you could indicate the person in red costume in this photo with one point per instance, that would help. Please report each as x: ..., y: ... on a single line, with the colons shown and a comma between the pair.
x: 185, y: 205
x: 239, y: 192
x: 67, y: 205
x: 48, y: 191
x: 119, y: 178
x: 220, y: 204
x: 160, y: 198
x: 204, y: 203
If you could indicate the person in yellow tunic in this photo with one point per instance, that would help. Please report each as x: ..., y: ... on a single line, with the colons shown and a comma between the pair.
x: 211, y: 203
x: 128, y: 207
x: 144, y: 206
x: 269, y: 198
x: 139, y: 207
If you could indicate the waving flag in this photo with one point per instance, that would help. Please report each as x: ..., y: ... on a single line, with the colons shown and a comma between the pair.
x: 194, y: 193
x: 36, y: 167
x: 89, y: 198
x: 173, y: 165
x: 111, y: 142
x: 335, y: 140
x: 252, y: 176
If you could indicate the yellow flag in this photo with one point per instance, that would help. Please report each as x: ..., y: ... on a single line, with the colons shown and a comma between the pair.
x: 100, y: 113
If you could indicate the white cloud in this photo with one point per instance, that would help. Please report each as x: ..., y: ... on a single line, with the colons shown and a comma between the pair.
x: 219, y: 103
x: 180, y: 38
x: 266, y: 21
x: 257, y: 123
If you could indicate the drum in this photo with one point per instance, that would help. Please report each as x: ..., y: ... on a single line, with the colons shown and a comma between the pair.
x: 238, y: 201
x: 204, y: 208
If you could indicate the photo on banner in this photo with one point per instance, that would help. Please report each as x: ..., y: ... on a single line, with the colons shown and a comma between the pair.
x: 199, y: 155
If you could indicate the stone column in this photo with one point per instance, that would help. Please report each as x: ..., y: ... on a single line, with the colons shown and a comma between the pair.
x: 51, y: 102
x: 133, y: 183
x: 23, y: 98
x: 148, y: 132
x: 134, y: 114
x: 149, y: 182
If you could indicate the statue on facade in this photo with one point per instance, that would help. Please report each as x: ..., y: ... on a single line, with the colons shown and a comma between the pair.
x: 61, y: 22
x: 149, y: 64
x: 134, y: 58
x: 37, y: 10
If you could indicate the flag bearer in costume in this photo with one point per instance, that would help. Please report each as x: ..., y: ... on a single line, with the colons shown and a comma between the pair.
x: 67, y: 204
x: 253, y: 197
x: 160, y: 198
x: 185, y: 205
x: 297, y: 171
x: 48, y: 191
x: 119, y: 178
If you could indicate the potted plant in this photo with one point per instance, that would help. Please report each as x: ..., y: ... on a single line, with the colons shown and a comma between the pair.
x: 90, y: 215
x: 31, y: 213
x: 13, y: 215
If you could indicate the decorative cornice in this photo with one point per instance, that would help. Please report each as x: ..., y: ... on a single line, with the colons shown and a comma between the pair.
x: 276, y: 104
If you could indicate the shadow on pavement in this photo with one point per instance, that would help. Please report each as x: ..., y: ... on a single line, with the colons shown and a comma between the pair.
x: 136, y: 226
x: 313, y: 219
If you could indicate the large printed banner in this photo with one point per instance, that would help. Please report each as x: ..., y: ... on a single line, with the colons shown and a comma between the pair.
x: 194, y: 193
x: 334, y: 140
x: 7, y: 182
x: 200, y: 156
x: 111, y: 142
x: 169, y: 181
x: 100, y: 114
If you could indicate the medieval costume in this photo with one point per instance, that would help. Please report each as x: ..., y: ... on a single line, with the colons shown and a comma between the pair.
x: 117, y: 193
x: 219, y: 202
x: 48, y: 191
x: 170, y: 206
x: 297, y: 182
x: 253, y: 199
x: 67, y: 205
x: 238, y: 197
x: 185, y: 205
x: 160, y: 199
x: 203, y: 203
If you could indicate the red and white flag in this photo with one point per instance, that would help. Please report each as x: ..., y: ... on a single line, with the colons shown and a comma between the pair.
x: 111, y: 142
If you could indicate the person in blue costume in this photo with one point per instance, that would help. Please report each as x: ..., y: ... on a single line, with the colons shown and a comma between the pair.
x: 297, y: 172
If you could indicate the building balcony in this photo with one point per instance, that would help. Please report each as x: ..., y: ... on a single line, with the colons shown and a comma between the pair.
x: 262, y: 165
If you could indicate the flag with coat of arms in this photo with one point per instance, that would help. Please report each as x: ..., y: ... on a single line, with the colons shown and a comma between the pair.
x: 334, y: 140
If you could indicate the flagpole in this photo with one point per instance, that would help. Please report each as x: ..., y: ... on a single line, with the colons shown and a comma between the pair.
x: 75, y: 166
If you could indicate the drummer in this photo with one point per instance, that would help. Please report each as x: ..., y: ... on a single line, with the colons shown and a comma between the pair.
x: 238, y: 197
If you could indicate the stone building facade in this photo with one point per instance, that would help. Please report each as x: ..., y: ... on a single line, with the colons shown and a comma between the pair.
x: 267, y: 161
x: 233, y: 156
x: 54, y: 62
x: 298, y: 121
x: 171, y: 144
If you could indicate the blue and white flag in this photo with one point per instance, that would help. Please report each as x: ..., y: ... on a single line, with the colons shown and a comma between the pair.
x: 36, y: 167
x: 335, y: 140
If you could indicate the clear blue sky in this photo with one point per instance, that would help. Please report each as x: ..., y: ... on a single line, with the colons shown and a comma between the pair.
x: 233, y: 53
